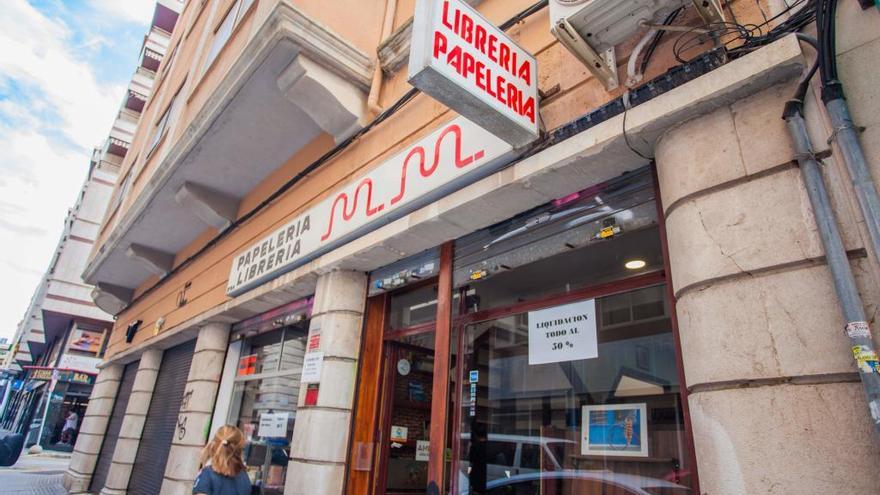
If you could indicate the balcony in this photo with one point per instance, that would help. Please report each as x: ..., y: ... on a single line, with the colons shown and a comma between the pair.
x: 23, y: 356
x: 122, y: 133
x: 139, y: 89
x: 154, y: 48
x: 166, y: 14
x: 293, y: 82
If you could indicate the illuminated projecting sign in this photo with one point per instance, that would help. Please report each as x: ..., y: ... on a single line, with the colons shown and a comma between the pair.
x: 454, y: 155
x: 465, y: 62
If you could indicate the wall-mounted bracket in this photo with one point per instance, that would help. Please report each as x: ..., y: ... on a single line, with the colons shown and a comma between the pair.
x: 603, y: 67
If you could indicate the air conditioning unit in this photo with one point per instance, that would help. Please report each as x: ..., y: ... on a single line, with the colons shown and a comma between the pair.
x: 590, y: 29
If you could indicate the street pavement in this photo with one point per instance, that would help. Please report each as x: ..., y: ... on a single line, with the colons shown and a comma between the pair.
x: 34, y: 475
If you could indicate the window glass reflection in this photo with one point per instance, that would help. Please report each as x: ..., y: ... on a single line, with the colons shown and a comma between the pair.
x: 414, y: 307
x: 606, y: 425
x: 264, y: 402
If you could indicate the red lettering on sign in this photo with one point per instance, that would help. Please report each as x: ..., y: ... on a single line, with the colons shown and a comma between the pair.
x: 499, y: 87
x: 459, y: 160
x: 346, y: 213
x: 439, y: 44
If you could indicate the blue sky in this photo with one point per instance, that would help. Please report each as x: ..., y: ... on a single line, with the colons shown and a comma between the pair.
x: 64, y: 67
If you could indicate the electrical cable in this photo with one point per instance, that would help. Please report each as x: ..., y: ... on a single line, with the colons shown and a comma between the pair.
x: 629, y: 145
x: 335, y: 151
x: 649, y: 52
x: 796, y: 104
x: 751, y: 36
x: 522, y: 15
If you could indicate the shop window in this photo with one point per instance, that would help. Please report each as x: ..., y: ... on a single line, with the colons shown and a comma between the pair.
x: 566, y: 377
x: 264, y: 401
x: 615, y: 413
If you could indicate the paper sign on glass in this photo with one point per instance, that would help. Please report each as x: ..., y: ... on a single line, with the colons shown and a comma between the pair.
x: 312, y: 364
x: 422, y: 450
x: 273, y: 424
x: 563, y: 333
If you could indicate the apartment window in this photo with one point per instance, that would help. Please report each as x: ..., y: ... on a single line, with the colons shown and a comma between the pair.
x: 122, y: 191
x: 162, y: 125
x: 224, y: 32
x: 171, y: 58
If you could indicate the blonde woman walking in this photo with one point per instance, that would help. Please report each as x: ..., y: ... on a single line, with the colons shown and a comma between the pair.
x: 224, y: 470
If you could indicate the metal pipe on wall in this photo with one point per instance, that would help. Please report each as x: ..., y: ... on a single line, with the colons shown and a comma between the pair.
x: 844, y: 132
x: 857, y: 329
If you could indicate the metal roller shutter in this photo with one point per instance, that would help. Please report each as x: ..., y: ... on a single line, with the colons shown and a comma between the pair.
x: 113, y: 427
x: 152, y: 454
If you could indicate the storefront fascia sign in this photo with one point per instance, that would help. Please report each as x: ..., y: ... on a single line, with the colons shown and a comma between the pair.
x: 465, y: 62
x: 456, y: 154
x: 61, y: 375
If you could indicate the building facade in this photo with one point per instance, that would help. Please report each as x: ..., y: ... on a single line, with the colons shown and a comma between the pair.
x: 387, y: 297
x: 63, y: 335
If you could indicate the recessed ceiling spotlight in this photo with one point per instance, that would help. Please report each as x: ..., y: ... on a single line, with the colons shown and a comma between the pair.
x: 635, y: 264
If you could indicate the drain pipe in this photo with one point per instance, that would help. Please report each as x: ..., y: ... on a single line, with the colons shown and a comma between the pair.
x: 376, y: 85
x: 844, y: 132
x: 857, y: 329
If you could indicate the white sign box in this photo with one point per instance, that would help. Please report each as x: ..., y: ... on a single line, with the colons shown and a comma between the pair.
x: 563, y: 333
x: 273, y: 424
x: 465, y: 62
x: 454, y: 155
x: 312, y: 364
x: 79, y: 363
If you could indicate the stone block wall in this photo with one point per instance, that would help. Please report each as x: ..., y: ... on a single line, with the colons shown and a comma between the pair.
x: 775, y: 400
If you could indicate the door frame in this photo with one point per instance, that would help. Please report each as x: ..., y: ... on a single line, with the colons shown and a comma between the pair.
x: 366, y: 470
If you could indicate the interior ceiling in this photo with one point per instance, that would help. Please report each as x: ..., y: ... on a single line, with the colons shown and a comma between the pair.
x: 596, y: 263
x: 254, y: 135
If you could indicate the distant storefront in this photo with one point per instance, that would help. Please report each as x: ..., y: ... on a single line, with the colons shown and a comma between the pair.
x: 49, y: 400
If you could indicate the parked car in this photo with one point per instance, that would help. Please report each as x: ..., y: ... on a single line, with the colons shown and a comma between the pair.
x: 510, y: 455
x: 581, y: 482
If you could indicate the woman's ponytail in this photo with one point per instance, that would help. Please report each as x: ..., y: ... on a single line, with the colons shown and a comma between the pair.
x: 225, y: 451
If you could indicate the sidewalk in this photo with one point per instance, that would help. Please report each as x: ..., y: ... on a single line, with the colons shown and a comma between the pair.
x: 39, y: 474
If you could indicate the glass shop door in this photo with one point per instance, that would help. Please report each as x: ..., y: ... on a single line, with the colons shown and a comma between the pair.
x: 407, y: 381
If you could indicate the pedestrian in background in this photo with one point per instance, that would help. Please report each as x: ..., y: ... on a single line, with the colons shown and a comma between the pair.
x: 70, y: 424
x: 224, y: 471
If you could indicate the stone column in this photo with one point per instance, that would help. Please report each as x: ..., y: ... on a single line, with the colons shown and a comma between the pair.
x: 775, y: 401
x: 133, y: 423
x: 320, y: 435
x: 196, y: 409
x: 92, y: 429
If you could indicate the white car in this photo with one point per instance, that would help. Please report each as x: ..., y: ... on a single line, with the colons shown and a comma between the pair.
x: 605, y: 482
x: 511, y: 455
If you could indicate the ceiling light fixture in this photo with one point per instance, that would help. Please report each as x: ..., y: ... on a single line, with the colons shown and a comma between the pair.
x: 635, y: 264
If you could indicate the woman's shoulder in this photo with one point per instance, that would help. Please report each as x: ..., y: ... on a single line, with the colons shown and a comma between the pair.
x: 243, y: 483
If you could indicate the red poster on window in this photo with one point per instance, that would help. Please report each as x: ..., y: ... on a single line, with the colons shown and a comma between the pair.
x: 314, y: 341
x: 312, y: 395
x: 247, y: 365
